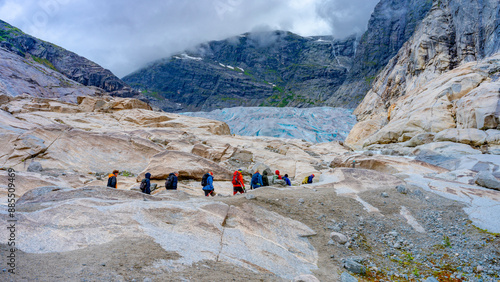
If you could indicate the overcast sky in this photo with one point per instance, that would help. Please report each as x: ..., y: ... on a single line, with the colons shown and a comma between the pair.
x: 124, y: 35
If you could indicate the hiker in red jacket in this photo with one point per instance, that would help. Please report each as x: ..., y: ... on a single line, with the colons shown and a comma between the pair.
x: 238, y: 184
x: 277, y: 172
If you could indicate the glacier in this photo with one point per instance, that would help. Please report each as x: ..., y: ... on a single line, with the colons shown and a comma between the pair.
x: 317, y: 125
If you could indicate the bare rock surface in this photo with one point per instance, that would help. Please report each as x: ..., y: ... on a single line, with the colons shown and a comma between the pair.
x: 188, y: 165
x: 195, y: 229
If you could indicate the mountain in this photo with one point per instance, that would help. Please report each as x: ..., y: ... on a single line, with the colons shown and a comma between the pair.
x: 279, y: 68
x: 444, y: 80
x: 33, y: 51
x: 275, y: 68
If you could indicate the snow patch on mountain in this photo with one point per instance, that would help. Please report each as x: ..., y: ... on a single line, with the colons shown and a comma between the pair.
x: 322, y: 124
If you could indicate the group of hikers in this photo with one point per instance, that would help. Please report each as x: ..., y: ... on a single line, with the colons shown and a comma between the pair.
x: 259, y: 180
x: 207, y: 181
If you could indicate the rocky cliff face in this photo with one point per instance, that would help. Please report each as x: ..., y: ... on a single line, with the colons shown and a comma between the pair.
x: 74, y: 67
x: 256, y: 69
x: 392, y: 23
x: 448, y: 69
x: 19, y: 75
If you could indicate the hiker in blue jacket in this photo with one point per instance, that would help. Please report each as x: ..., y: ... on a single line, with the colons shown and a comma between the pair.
x: 256, y: 180
x: 209, y: 187
x: 287, y: 180
x: 171, y: 182
x: 310, y: 178
x: 147, y: 181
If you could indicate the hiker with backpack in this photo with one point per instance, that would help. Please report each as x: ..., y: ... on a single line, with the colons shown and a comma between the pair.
x: 265, y: 178
x: 256, y: 181
x: 146, y: 184
x: 308, y: 179
x: 238, y: 184
x: 207, y: 182
x: 287, y: 180
x: 112, y: 181
x: 277, y: 176
x: 171, y: 182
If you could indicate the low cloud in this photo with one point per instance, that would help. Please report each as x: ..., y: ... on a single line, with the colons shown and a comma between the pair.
x: 124, y: 35
x: 346, y: 17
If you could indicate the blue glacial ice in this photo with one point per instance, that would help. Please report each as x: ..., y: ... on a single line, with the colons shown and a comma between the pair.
x: 317, y: 125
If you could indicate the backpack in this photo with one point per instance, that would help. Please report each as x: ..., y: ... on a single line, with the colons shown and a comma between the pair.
x: 306, y: 180
x: 255, y: 180
x: 235, y: 178
x: 143, y: 185
x: 169, y: 181
x: 204, y: 180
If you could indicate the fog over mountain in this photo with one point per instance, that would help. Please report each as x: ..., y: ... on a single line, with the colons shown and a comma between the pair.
x: 125, y: 35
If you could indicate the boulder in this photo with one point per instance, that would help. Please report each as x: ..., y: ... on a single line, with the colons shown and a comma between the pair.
x: 354, y: 267
x: 420, y: 139
x: 35, y: 167
x: 488, y: 180
x: 4, y: 99
x: 479, y: 108
x: 27, y: 181
x: 119, y: 104
x: 201, y: 150
x: 188, y: 165
x: 470, y: 136
x: 449, y: 149
x: 494, y: 149
x: 385, y: 164
x: 108, y: 104
x: 339, y: 237
x: 493, y: 137
x: 402, y: 189
x: 215, y: 153
x: 394, y: 149
x: 444, y: 154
